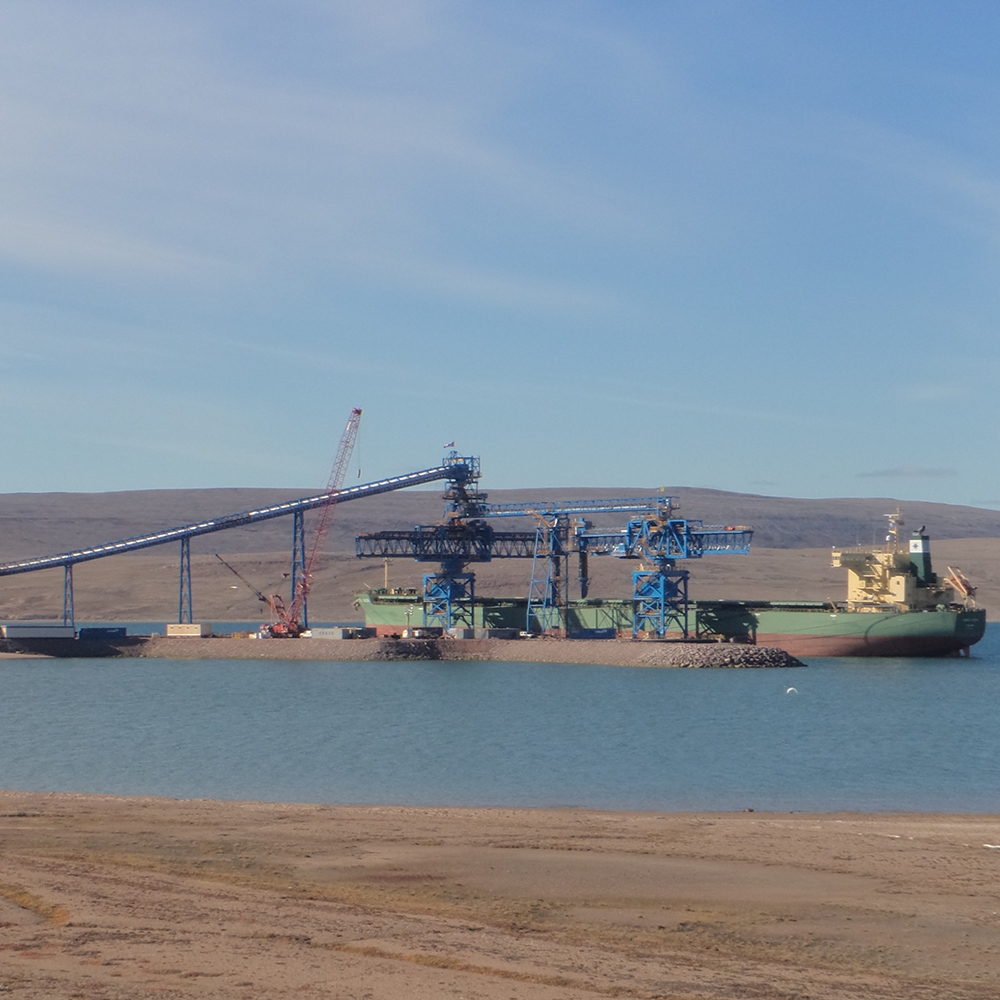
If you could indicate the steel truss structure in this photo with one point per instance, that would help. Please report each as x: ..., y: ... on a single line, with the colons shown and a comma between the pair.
x: 659, y: 589
x: 465, y: 538
x: 455, y: 471
x: 555, y: 534
x: 184, y: 609
x: 299, y: 564
x: 449, y: 599
x: 548, y: 593
x: 457, y: 542
x: 449, y: 595
x: 660, y: 599
x: 68, y: 614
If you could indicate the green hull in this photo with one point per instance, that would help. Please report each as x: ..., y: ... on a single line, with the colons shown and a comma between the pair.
x: 802, y: 629
x: 405, y: 608
x: 826, y: 630
x: 390, y: 609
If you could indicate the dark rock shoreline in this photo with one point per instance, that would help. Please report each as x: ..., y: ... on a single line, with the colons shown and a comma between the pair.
x: 608, y: 652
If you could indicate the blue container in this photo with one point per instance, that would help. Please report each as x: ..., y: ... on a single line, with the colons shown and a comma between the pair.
x: 103, y: 633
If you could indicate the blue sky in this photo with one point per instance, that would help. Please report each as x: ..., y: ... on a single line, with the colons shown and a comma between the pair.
x: 751, y: 246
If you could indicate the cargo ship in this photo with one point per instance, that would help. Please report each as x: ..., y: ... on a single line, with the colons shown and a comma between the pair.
x: 896, y: 606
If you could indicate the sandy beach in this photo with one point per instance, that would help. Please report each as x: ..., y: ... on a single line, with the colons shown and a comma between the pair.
x: 108, y: 897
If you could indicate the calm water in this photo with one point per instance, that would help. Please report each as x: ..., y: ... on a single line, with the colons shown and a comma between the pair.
x: 859, y: 734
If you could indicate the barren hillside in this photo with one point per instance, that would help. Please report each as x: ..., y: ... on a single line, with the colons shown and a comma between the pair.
x: 790, y: 557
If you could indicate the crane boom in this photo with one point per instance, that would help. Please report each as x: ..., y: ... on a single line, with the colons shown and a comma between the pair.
x: 239, y: 576
x: 283, y: 626
x: 344, y: 451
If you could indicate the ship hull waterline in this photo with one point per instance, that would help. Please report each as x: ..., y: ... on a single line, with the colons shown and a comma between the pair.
x: 939, y: 632
x: 806, y: 630
x: 806, y: 646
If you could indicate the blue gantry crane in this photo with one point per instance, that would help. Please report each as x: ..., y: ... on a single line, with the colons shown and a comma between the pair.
x: 660, y: 541
x: 462, y: 538
x: 558, y: 524
x: 656, y: 537
x: 465, y: 537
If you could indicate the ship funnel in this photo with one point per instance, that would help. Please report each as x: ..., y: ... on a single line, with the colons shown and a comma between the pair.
x: 920, y: 559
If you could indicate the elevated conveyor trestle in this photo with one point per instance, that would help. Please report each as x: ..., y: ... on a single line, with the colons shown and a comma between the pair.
x: 185, y: 611
x: 68, y: 613
x: 455, y: 471
x: 225, y: 523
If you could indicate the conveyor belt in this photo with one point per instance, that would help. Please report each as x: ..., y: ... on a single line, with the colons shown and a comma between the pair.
x: 450, y: 471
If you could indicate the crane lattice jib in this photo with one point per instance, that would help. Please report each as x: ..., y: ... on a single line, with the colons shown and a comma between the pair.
x: 450, y: 543
x: 716, y: 541
x: 446, y: 471
x: 344, y: 451
x: 546, y: 508
x: 674, y: 539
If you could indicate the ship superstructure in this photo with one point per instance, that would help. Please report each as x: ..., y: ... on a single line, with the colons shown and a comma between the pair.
x: 899, y: 575
x: 896, y: 606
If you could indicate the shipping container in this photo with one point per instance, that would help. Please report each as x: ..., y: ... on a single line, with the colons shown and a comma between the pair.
x: 592, y: 633
x: 95, y: 632
x: 198, y: 630
x: 330, y: 633
x: 31, y: 631
x: 497, y: 633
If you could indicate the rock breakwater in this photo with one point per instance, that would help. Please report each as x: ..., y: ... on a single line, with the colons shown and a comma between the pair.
x: 605, y: 652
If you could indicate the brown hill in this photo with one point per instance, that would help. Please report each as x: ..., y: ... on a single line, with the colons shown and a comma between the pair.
x: 790, y: 557
x: 43, y: 523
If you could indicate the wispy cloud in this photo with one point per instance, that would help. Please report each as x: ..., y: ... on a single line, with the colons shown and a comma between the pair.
x: 934, y: 392
x: 482, y: 284
x: 909, y: 472
x: 964, y: 193
x: 139, y: 144
x: 90, y: 247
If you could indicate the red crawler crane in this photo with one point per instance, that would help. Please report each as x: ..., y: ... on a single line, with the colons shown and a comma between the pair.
x: 293, y: 617
x: 289, y: 620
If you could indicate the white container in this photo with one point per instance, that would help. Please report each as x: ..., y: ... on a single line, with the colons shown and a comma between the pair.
x: 38, y: 631
x: 330, y: 633
x: 198, y: 630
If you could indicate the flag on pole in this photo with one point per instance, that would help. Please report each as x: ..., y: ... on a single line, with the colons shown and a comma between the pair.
x: 450, y: 445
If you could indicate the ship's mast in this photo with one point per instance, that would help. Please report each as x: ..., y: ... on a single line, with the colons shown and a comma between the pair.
x: 895, y: 523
